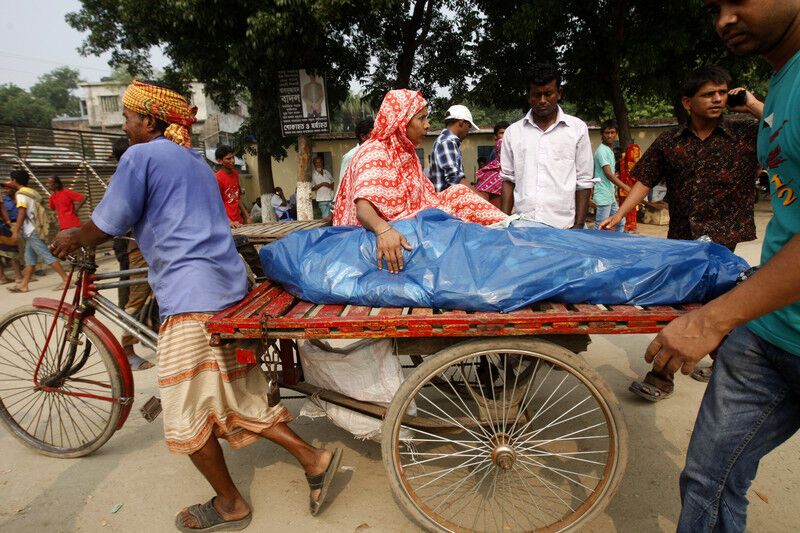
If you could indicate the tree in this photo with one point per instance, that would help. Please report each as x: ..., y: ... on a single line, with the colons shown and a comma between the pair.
x: 56, y: 87
x: 421, y: 44
x: 19, y: 108
x: 613, y: 52
x: 236, y: 47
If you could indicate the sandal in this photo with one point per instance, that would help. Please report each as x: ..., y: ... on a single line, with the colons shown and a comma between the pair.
x: 16, y: 289
x: 323, y: 482
x: 648, y: 391
x: 210, y: 520
x: 139, y: 363
x: 703, y: 374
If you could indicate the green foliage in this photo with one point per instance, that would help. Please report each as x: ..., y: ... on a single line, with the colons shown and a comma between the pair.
x: 56, y: 87
x: 235, y: 47
x: 350, y: 112
x: 616, y: 55
x: 19, y: 108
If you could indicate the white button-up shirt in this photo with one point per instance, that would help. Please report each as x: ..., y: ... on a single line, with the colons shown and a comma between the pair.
x: 547, y: 167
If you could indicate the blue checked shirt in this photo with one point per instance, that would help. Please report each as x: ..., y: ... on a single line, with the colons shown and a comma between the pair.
x: 446, y: 167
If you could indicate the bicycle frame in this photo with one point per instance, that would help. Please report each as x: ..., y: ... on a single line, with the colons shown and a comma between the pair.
x: 80, y: 313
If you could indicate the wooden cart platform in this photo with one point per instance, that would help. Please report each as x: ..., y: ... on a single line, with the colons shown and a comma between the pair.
x: 267, y: 232
x: 272, y: 312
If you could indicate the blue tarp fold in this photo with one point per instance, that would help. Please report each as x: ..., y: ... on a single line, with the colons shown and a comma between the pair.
x: 457, y: 265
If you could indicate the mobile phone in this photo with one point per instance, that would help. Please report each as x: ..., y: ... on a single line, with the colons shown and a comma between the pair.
x: 737, y: 99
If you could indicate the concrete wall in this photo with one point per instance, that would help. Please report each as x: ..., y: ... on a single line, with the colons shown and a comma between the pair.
x: 285, y: 172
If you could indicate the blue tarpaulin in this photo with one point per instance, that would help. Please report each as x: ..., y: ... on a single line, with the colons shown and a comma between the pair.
x: 457, y: 265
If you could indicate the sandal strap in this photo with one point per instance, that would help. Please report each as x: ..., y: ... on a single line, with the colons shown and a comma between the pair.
x: 206, y: 514
x: 316, y: 482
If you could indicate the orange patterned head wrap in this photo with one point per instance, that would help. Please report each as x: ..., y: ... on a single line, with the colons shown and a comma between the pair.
x: 164, y: 104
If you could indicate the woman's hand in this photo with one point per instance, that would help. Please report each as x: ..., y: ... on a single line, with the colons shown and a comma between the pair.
x: 390, y: 247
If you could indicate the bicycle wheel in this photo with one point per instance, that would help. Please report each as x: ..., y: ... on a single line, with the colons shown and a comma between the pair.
x: 507, y: 435
x: 55, y: 423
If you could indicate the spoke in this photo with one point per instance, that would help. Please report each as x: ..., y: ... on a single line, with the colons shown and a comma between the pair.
x: 439, y: 456
x: 466, y: 411
x: 438, y: 438
x: 486, y: 467
x: 567, y: 455
x: 544, y: 483
x: 485, y: 402
x: 560, y: 472
x: 469, y: 462
x: 558, y: 422
x: 451, y: 419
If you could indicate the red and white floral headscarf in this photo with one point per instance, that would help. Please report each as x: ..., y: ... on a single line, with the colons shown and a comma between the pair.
x: 386, y: 171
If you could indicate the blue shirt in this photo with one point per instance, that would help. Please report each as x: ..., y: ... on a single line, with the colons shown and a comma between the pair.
x: 604, y: 189
x: 779, y: 153
x: 446, y: 168
x: 170, y: 197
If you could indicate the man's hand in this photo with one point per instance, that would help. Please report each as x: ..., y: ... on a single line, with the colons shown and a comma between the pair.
x: 751, y: 104
x: 685, y: 341
x: 611, y: 222
x: 248, y: 219
x: 390, y: 247
x: 66, y: 242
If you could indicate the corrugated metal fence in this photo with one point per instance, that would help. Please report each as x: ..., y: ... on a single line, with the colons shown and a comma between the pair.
x: 82, y: 160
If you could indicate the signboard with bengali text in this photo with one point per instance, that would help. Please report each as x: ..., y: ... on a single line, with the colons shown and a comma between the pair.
x: 303, y: 103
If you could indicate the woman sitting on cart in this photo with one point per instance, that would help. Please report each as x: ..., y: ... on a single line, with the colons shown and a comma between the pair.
x: 384, y: 181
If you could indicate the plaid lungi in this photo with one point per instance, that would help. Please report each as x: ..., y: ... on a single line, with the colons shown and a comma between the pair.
x: 205, y: 389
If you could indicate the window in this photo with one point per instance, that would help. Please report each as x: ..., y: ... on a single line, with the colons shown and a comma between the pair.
x: 109, y: 104
x: 84, y: 109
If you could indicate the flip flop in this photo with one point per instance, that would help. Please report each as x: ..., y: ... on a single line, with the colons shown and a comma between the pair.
x: 16, y: 289
x: 6, y: 282
x: 210, y: 520
x: 139, y: 363
x: 648, y: 391
x: 702, y: 374
x: 323, y: 482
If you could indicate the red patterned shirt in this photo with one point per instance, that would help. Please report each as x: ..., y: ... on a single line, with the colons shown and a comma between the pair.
x: 710, y: 183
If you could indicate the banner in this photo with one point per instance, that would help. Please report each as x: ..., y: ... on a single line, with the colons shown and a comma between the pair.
x: 303, y: 104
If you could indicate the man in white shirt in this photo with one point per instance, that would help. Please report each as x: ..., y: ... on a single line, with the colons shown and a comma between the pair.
x: 546, y: 162
x: 322, y: 184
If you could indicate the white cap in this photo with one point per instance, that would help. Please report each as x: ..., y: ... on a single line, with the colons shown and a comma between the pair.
x: 460, y: 112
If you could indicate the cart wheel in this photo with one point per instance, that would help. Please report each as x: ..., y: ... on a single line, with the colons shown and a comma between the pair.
x: 504, y: 435
x: 53, y: 423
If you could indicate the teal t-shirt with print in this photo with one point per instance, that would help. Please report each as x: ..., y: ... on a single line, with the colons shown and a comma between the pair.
x: 603, y: 190
x: 779, y: 154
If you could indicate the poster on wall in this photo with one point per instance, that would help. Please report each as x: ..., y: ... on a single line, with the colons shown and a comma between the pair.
x: 304, y: 102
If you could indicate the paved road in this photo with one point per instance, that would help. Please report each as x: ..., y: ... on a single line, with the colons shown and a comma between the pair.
x: 135, y: 469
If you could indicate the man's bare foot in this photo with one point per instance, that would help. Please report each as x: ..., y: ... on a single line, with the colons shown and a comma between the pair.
x: 230, y: 511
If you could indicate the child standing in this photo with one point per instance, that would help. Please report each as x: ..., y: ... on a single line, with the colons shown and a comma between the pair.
x: 228, y: 181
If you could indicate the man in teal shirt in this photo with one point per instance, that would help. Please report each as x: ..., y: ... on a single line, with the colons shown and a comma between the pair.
x: 752, y: 403
x: 605, y: 192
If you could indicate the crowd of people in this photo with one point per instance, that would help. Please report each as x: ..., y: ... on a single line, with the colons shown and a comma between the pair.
x: 543, y: 173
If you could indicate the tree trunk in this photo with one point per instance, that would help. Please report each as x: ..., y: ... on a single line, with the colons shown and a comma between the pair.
x: 305, y: 210
x: 620, y: 108
x: 265, y: 178
x: 415, y: 32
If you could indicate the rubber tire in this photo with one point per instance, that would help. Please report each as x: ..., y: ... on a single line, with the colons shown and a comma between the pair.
x: 116, y: 390
x: 566, y: 359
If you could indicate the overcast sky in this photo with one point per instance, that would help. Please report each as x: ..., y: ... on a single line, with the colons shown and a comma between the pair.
x: 35, y: 39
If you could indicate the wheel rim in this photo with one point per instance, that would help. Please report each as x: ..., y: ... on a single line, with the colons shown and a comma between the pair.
x: 532, y: 444
x: 54, y: 422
